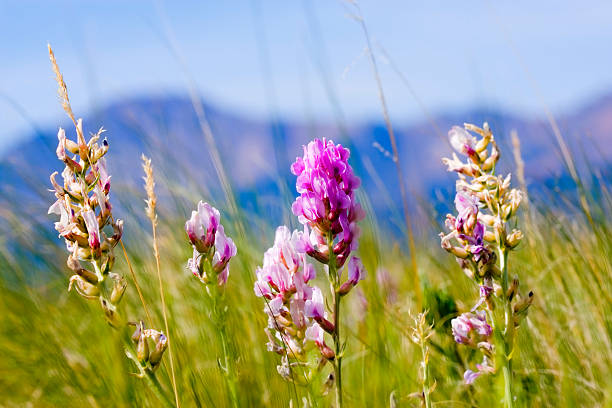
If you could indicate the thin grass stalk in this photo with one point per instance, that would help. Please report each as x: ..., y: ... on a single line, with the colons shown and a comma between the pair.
x: 565, y: 151
x: 150, y: 210
x: 205, y: 127
x: 400, y: 175
x: 426, y: 388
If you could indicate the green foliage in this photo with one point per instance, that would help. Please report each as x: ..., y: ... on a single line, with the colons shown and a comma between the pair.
x: 57, y: 351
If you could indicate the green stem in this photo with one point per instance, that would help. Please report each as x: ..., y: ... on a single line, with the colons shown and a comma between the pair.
x: 425, y: 376
x: 149, y: 375
x: 338, y: 351
x: 219, y: 320
x: 508, y: 337
x: 157, y: 388
x: 334, y: 281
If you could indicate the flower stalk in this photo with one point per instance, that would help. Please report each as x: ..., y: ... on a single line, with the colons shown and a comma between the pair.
x: 85, y: 223
x: 212, y: 252
x: 481, y: 240
x: 219, y: 315
x: 334, y: 282
x: 151, y: 378
x: 329, y: 212
x: 508, y: 337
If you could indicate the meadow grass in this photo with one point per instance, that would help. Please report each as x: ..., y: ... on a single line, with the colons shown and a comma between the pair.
x: 57, y: 351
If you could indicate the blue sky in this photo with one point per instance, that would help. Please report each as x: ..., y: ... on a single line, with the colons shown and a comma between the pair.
x: 259, y: 57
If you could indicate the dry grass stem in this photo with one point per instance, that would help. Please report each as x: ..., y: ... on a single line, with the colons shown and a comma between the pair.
x: 150, y: 211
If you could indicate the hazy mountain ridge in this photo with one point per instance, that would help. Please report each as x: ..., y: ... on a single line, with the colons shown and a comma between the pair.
x: 257, y: 153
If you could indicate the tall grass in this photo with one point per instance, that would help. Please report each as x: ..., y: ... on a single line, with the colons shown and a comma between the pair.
x: 51, y: 358
x: 56, y: 351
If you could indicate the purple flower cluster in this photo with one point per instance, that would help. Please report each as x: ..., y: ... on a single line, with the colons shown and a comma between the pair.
x: 326, y: 204
x: 485, y: 367
x: 467, y: 229
x: 212, y: 249
x: 296, y: 313
x: 471, y: 328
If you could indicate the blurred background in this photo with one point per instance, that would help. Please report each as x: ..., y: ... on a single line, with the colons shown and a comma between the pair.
x: 270, y: 75
x: 255, y: 80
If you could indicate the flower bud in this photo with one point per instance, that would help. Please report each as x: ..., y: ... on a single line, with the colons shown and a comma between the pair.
x: 83, y: 288
x: 515, y: 197
x: 201, y: 228
x: 523, y: 304
x: 142, y: 349
x: 119, y: 285
x: 110, y: 312
x: 486, y: 348
x: 83, y: 148
x: 139, y: 330
x: 107, y: 263
x: 482, y: 145
x: 74, y: 264
x: 356, y: 272
x: 499, y: 230
x: 327, y: 352
x: 161, y: 343
x: 512, y: 289
x: 492, y: 160
x: 514, y: 238
x: 71, y: 146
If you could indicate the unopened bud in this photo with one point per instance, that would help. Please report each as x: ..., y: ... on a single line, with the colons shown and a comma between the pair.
x: 492, y: 160
x: 73, y: 165
x: 486, y: 348
x: 139, y: 330
x: 107, y: 263
x: 142, y: 349
x: 345, y: 288
x: 327, y: 352
x: 74, y: 264
x: 83, y: 288
x: 522, y: 306
x: 161, y: 343
x: 458, y: 252
x: 466, y: 266
x: 110, y: 313
x: 72, y: 147
x: 489, y: 236
x: 499, y: 230
x: 515, y: 197
x: 482, y: 144
x: 512, y: 289
x: 325, y: 324
x: 119, y: 285
x: 514, y: 238
x: 486, y: 219
x: 117, y: 232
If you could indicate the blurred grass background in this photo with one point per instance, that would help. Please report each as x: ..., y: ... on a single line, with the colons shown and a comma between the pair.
x: 57, y: 349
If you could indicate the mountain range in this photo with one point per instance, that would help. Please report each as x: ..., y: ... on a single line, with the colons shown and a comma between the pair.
x: 257, y: 153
